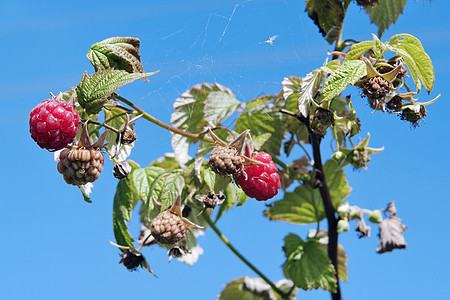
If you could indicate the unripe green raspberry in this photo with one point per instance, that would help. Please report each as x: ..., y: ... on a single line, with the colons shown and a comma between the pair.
x: 226, y: 161
x: 167, y: 228
x: 80, y: 165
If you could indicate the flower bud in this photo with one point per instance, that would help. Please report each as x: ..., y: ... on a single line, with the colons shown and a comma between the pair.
x: 375, y: 217
x: 338, y: 156
x: 343, y: 226
x: 343, y: 209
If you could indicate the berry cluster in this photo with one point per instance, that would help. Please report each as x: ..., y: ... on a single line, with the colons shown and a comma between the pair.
x: 256, y: 173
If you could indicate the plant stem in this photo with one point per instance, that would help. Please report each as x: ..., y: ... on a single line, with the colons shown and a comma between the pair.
x: 239, y: 255
x: 326, y: 199
x: 329, y: 211
x: 339, y: 44
x: 160, y: 123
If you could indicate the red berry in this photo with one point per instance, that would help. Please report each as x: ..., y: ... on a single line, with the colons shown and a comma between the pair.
x: 262, y: 181
x: 53, y: 124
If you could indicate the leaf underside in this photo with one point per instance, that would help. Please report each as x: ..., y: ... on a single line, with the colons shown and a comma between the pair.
x: 120, y: 53
x: 328, y: 15
x: 385, y: 13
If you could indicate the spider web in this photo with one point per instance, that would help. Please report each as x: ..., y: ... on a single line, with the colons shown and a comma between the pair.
x: 248, y: 46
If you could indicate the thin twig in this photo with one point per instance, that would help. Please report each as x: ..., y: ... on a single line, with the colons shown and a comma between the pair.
x: 241, y: 257
x: 160, y: 123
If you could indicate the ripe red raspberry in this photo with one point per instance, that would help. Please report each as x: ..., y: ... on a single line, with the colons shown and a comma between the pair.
x: 53, y: 124
x: 262, y: 181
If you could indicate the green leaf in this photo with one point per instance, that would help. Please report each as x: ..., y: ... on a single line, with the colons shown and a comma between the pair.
x: 328, y: 15
x: 342, y: 263
x: 413, y: 69
x: 342, y: 256
x: 166, y: 162
x: 219, y: 106
x: 291, y: 90
x: 123, y: 205
x: 221, y: 183
x: 166, y: 188
x: 260, y: 140
x: 142, y: 179
x: 263, y: 119
x: 230, y: 201
x: 385, y: 13
x: 339, y: 104
x: 337, y: 182
x: 331, y: 66
x: 241, y: 196
x: 120, y: 53
x: 209, y: 177
x: 307, y: 264
x: 248, y: 288
x: 309, y: 88
x: 195, y: 110
x: 93, y: 91
x: 304, y: 205
x: 418, y: 61
x: 258, y: 101
x: 350, y: 72
x: 94, y: 133
x: 358, y: 49
x: 203, y: 149
x: 379, y: 48
x: 233, y: 290
x: 303, y: 90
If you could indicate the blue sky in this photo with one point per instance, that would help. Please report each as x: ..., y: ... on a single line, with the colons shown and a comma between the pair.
x: 55, y: 246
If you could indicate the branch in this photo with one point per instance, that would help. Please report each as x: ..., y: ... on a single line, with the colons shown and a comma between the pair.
x: 326, y: 199
x: 329, y: 210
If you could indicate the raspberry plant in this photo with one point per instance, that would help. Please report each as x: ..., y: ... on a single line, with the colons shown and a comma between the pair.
x: 178, y: 194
